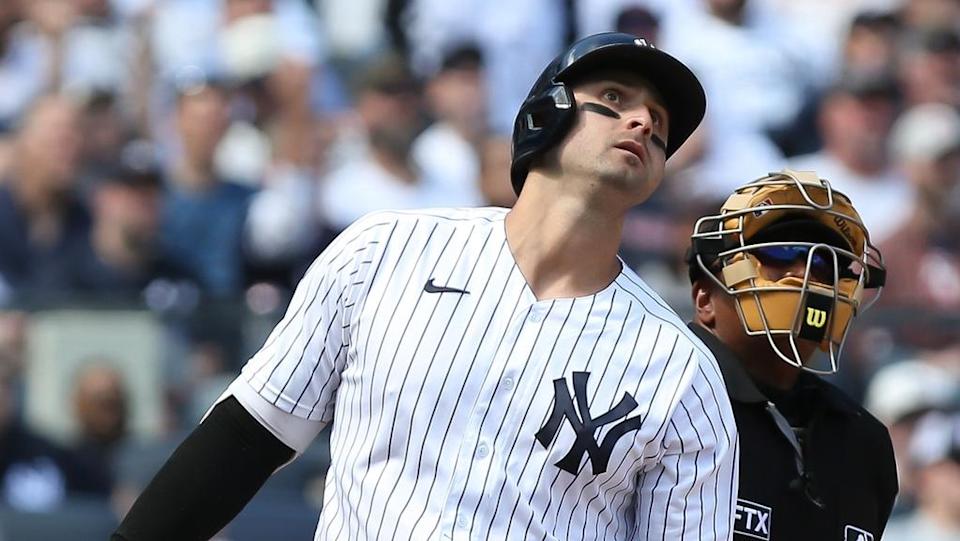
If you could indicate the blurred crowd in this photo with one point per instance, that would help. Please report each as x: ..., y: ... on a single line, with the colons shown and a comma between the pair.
x: 188, y: 159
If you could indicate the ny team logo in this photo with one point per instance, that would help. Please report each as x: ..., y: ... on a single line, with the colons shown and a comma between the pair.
x: 585, y: 426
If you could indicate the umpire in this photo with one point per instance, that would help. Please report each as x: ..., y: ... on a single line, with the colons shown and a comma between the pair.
x: 779, y: 273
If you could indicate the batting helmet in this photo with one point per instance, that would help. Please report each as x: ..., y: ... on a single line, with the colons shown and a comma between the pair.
x: 549, y: 109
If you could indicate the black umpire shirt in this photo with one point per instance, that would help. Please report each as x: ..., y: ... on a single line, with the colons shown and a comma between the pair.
x: 814, y: 466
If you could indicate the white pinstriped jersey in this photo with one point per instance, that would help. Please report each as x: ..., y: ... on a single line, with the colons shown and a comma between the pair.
x: 464, y: 408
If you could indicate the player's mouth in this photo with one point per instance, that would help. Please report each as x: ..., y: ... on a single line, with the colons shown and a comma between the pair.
x: 635, y: 148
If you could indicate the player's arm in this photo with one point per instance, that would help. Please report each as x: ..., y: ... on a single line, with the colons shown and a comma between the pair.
x: 274, y: 409
x: 208, y: 479
x: 692, y: 491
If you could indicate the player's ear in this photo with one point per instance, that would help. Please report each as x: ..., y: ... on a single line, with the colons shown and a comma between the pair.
x: 703, y: 303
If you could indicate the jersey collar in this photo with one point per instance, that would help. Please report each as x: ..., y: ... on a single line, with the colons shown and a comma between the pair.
x: 741, y: 387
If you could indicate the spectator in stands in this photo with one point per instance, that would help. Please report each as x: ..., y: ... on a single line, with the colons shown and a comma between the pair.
x: 381, y: 172
x: 18, y: 90
x: 203, y: 215
x: 43, y: 225
x: 124, y: 257
x: 375, y: 170
x: 494, y: 172
x: 516, y: 37
x: 639, y: 21
x: 105, y: 134
x: 272, y: 91
x: 871, y: 43
x: 13, y: 326
x: 855, y: 118
x: 216, y: 39
x: 100, y: 407
x: 930, y: 67
x: 74, y: 47
x: 924, y: 252
x: 935, y: 452
x: 446, y: 153
x: 754, y: 68
x: 929, y: 14
x: 898, y: 395
x: 35, y: 474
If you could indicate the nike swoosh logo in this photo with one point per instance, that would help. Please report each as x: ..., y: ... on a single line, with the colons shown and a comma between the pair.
x: 430, y: 288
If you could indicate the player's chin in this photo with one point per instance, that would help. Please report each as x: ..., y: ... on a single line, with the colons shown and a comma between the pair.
x: 636, y: 186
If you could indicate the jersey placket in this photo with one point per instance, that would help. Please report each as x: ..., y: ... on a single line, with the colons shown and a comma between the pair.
x: 476, y: 456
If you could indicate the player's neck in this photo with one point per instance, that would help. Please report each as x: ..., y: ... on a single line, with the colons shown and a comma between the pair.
x: 563, y: 246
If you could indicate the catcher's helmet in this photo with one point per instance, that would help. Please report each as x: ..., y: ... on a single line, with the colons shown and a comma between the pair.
x: 549, y: 109
x: 771, y: 222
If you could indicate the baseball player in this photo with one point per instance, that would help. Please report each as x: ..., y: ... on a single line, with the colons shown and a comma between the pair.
x: 778, y: 274
x: 490, y: 374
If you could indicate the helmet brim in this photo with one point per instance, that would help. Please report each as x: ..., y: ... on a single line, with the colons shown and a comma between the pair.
x: 680, y: 89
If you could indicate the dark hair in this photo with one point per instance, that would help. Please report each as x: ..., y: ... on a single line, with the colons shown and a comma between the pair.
x: 875, y: 20
x: 465, y: 56
x: 632, y: 17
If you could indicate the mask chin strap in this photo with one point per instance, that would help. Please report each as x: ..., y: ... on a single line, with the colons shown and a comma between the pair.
x: 606, y: 111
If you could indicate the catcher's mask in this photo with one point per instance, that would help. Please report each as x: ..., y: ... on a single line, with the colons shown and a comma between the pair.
x: 790, y: 220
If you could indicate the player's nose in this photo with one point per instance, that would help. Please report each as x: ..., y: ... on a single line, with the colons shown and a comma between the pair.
x: 640, y: 119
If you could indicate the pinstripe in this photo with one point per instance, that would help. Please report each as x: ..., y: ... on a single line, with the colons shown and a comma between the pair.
x: 447, y: 373
x: 593, y: 350
x: 415, y: 384
x: 623, y: 374
x: 470, y: 467
x: 349, y: 490
x: 376, y: 358
x: 407, y: 373
x: 650, y: 510
x: 696, y: 458
x: 526, y: 411
x: 499, y: 345
x: 320, y: 262
x: 393, y: 360
x: 369, y: 286
x: 606, y: 365
x: 446, y: 432
x: 496, y: 436
x: 532, y: 444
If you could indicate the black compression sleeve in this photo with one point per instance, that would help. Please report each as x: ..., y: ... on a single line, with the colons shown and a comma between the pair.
x: 207, y: 480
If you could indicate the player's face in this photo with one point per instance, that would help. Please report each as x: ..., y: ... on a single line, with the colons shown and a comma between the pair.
x: 622, y: 143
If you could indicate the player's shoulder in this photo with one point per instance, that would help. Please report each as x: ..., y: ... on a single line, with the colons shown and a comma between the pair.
x: 447, y: 217
x: 655, y: 308
x: 452, y: 215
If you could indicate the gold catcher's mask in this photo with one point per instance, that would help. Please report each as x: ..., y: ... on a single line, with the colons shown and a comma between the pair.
x: 755, y: 250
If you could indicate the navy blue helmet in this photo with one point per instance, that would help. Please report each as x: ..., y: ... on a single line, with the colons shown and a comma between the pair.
x: 549, y: 109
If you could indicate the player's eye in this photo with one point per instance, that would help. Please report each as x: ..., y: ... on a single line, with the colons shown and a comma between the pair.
x: 612, y: 95
x: 657, y: 117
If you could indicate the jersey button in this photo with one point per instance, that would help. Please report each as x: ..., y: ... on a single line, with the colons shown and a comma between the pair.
x: 462, y: 521
x: 482, y: 450
x: 536, y: 315
x: 508, y: 383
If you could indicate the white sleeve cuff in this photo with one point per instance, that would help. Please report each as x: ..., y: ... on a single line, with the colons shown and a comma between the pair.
x: 295, y: 432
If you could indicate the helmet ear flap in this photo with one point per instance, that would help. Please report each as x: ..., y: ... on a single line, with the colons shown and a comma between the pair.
x: 543, y: 120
